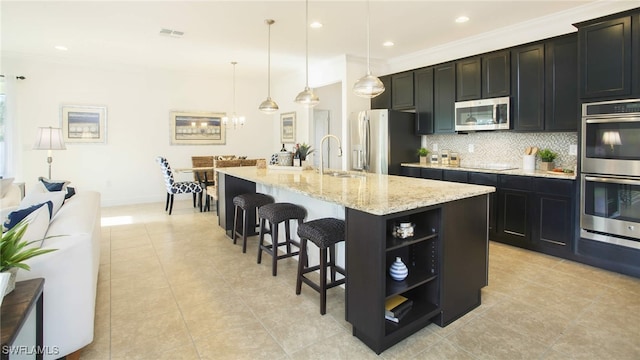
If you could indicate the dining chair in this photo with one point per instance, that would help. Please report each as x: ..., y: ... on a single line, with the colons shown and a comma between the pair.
x: 205, y: 178
x: 177, y: 187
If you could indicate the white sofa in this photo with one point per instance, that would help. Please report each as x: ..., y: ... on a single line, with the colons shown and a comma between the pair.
x: 70, y: 273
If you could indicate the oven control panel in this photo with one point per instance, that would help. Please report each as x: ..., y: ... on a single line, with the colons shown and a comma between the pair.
x: 612, y: 107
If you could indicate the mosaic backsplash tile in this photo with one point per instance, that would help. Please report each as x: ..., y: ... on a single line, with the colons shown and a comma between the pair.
x: 505, y: 147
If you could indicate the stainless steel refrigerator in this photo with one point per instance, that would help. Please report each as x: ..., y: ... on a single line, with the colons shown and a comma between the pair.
x: 380, y: 140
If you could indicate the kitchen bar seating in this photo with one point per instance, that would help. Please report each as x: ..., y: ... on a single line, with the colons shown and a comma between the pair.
x: 245, y: 203
x: 275, y: 214
x: 324, y: 233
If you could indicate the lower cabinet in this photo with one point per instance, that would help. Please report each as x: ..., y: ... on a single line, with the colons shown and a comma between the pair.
x: 447, y: 266
x: 535, y: 213
x: 514, y: 209
x: 554, y: 216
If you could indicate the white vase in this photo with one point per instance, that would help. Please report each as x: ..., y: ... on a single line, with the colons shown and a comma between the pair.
x: 8, y: 280
x: 398, y: 270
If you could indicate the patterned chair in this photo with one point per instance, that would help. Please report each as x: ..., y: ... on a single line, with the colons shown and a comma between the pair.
x: 177, y: 187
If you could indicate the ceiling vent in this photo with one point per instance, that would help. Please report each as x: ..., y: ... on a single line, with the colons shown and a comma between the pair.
x: 172, y: 33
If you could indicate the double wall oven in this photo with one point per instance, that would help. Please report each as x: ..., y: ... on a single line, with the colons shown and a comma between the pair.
x: 610, y: 167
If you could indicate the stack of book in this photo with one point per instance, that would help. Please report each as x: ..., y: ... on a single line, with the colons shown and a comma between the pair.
x: 396, y: 307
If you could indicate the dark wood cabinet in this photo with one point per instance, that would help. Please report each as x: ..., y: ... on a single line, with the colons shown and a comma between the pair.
x: 527, y: 70
x: 488, y: 179
x: 496, y: 74
x: 554, y: 228
x: 410, y: 171
x: 444, y: 97
x: 514, y: 209
x: 402, y: 91
x: 455, y: 176
x: 447, y: 266
x: 606, y: 57
x: 433, y: 174
x: 383, y: 101
x: 468, y: 77
x: 562, y: 107
x: 423, y: 94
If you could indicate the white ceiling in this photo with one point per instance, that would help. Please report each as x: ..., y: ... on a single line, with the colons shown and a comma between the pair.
x: 218, y: 32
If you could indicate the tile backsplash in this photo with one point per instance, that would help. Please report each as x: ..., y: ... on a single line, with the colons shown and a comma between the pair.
x: 505, y: 147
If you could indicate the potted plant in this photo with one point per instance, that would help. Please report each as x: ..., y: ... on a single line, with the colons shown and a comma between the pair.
x: 547, y: 156
x: 15, y: 252
x: 422, y: 153
x: 304, y: 150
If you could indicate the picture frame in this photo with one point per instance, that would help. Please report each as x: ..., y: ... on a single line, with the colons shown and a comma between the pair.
x: 197, y: 128
x: 83, y: 123
x: 288, y: 127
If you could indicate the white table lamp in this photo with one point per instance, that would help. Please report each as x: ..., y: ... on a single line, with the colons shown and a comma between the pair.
x: 49, y: 138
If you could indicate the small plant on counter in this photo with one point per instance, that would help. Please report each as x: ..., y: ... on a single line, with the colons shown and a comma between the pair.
x: 423, y: 152
x: 546, y: 155
x: 304, y: 150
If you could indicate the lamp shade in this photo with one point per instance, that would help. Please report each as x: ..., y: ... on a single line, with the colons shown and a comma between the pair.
x: 368, y: 86
x: 307, y: 98
x: 268, y: 106
x: 49, y: 138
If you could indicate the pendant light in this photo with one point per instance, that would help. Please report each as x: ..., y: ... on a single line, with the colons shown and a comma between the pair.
x: 306, y: 97
x: 268, y: 106
x: 368, y: 86
x: 235, y: 119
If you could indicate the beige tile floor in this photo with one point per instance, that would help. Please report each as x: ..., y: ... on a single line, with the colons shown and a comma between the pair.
x: 174, y: 287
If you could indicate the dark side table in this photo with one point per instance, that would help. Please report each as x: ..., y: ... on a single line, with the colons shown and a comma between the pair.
x: 16, y: 313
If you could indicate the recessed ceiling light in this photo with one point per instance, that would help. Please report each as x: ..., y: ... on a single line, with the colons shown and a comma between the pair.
x: 171, y: 33
x: 388, y: 43
x: 61, y: 48
x: 462, y: 19
x: 316, y: 25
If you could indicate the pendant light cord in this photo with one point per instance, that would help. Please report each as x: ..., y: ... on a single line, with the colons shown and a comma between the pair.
x: 368, y: 39
x: 269, y: 61
x: 306, y: 26
x: 234, y: 88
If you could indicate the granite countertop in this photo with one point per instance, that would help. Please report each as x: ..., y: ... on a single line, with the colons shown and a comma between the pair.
x: 372, y: 193
x: 517, y: 172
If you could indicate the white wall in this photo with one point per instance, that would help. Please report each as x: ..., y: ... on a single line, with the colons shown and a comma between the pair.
x: 138, y: 102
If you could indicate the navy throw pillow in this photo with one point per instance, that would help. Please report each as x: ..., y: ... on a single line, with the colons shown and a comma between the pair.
x: 70, y: 192
x: 16, y: 216
x: 53, y: 186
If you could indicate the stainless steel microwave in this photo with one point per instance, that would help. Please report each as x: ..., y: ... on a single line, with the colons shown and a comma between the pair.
x: 484, y: 114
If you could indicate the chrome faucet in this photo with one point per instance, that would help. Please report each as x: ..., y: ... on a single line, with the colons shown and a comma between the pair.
x: 322, y: 152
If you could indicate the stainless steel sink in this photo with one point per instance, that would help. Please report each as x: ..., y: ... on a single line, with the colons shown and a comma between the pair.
x: 346, y: 175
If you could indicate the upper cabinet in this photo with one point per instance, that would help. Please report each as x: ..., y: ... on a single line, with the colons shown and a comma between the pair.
x: 483, y: 77
x: 402, y: 91
x: 545, y: 85
x: 609, y: 50
x: 562, y: 107
x: 496, y: 74
x: 468, y: 79
x: 444, y: 97
x: 423, y: 99
x: 527, y: 69
x: 383, y: 101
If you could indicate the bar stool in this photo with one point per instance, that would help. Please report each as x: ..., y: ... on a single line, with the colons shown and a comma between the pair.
x: 247, y: 202
x: 325, y: 233
x: 275, y: 214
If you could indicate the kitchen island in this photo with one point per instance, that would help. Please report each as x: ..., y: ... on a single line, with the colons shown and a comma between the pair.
x: 446, y: 256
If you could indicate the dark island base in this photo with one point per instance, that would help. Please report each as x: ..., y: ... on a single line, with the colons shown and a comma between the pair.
x: 447, y: 261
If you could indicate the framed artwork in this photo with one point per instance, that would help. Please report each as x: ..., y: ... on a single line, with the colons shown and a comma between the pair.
x: 83, y: 124
x: 197, y: 128
x: 288, y: 127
